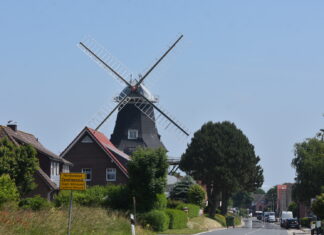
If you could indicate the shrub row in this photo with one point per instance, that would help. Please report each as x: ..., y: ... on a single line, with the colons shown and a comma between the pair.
x: 220, y: 219
x: 112, y: 196
x: 178, y: 219
x: 193, y: 210
x: 160, y: 220
x: 305, y: 222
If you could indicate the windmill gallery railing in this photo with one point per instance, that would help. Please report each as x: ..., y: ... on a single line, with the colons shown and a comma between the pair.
x: 174, y: 164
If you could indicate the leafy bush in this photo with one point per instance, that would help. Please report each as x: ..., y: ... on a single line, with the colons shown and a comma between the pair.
x: 8, y: 190
x: 178, y: 218
x: 147, y: 172
x: 180, y: 190
x: 35, y: 203
x: 196, y: 195
x: 305, y: 222
x: 243, y: 212
x: 318, y: 206
x: 193, y: 210
x: 160, y: 202
x: 112, y: 196
x: 237, y: 220
x: 118, y: 197
x: 157, y: 219
x: 220, y: 219
x: 173, y: 203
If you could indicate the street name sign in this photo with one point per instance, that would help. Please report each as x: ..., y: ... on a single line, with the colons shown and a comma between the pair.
x: 72, y: 181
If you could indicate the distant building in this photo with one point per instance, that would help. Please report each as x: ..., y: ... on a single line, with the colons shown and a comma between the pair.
x: 92, y: 153
x: 258, y: 203
x: 284, y: 192
x: 47, y: 177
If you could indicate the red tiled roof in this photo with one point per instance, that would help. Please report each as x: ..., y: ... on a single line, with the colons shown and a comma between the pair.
x: 109, y: 147
x: 107, y: 143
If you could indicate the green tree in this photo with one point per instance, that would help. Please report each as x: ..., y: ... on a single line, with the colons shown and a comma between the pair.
x: 180, y: 190
x: 294, y: 208
x: 147, y: 171
x: 20, y: 163
x: 309, y: 165
x: 271, y: 197
x: 318, y: 206
x: 8, y: 190
x: 242, y: 199
x: 221, y: 157
x: 196, y: 195
x: 259, y: 191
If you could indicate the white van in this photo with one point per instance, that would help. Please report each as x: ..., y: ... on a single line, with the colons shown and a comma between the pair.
x: 284, y: 216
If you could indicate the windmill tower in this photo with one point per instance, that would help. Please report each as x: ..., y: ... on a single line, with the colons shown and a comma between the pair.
x: 136, y: 121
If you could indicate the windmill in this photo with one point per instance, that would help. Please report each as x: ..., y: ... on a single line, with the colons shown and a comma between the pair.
x: 136, y: 121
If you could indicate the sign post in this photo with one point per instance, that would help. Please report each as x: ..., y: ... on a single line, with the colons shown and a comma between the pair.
x: 72, y: 181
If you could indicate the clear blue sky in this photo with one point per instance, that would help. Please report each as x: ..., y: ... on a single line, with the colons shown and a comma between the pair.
x: 259, y: 64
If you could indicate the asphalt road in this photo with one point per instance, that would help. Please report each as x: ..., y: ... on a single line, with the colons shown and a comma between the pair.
x: 255, y: 227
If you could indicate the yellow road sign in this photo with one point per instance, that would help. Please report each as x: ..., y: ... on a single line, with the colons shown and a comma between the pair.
x: 72, y: 181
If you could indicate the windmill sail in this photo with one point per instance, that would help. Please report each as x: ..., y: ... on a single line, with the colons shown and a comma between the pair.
x: 132, y: 92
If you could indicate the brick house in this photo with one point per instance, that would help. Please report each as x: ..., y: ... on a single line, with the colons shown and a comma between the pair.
x: 92, y: 153
x: 47, y: 176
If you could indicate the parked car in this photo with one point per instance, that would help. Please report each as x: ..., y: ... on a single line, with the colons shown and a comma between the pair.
x: 288, y: 221
x: 271, y: 218
x: 259, y: 215
x: 292, y: 223
x: 266, y: 216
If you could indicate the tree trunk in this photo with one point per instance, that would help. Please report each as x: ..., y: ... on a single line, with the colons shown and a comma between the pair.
x: 212, y: 200
x: 224, y: 203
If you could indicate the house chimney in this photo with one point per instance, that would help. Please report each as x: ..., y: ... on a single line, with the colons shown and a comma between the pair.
x: 12, y: 125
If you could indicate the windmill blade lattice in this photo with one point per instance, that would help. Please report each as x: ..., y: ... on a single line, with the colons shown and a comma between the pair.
x: 103, y: 58
x: 163, y: 118
x: 106, y: 111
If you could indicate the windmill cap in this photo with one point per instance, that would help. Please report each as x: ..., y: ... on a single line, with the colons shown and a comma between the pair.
x: 141, y: 89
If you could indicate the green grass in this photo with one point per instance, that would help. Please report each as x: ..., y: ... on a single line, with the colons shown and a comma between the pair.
x: 195, y: 225
x: 86, y: 221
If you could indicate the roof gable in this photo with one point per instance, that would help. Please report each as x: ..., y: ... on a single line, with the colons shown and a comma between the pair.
x: 99, y: 138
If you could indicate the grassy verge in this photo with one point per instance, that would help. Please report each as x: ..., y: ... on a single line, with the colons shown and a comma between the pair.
x: 195, y: 225
x: 87, y: 221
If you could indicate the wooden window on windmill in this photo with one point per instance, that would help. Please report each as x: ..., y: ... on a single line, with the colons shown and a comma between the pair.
x: 86, y: 140
x: 132, y: 134
x: 88, y: 172
x: 111, y: 174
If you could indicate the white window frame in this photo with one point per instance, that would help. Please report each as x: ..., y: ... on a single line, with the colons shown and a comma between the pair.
x: 111, y: 171
x: 65, y: 169
x: 55, y: 168
x: 131, y: 132
x: 86, y: 171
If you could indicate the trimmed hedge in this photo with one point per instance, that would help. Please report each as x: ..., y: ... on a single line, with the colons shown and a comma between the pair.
x: 193, y: 210
x: 157, y: 219
x: 220, y: 219
x: 112, y: 196
x: 173, y: 203
x: 305, y: 222
x: 237, y: 220
x: 160, y: 202
x: 178, y: 218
